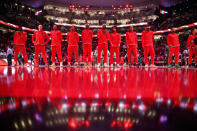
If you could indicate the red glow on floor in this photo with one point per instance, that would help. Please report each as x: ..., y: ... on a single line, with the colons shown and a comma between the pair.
x: 113, y: 83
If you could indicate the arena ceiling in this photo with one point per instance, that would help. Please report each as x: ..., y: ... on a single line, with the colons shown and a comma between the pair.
x: 101, y: 3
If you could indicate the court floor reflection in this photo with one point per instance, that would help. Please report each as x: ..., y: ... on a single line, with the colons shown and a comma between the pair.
x: 114, y: 83
x: 137, y: 99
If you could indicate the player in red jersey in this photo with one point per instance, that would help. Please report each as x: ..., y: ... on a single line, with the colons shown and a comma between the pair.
x: 72, y: 39
x: 191, y: 45
x: 174, y: 47
x: 56, y: 39
x: 195, y: 47
x: 115, y: 45
x: 87, y: 36
x: 103, y: 38
x: 131, y: 42
x: 147, y: 44
x: 20, y: 37
x: 40, y: 39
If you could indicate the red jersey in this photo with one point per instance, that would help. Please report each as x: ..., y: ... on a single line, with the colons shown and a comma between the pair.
x: 39, y: 37
x: 190, y: 41
x: 56, y: 37
x: 131, y: 38
x: 72, y: 38
x: 20, y: 37
x: 103, y: 36
x: 115, y: 39
x: 87, y: 36
x: 147, y: 38
x: 173, y: 39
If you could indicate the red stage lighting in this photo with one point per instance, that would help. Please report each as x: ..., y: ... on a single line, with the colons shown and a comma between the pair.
x: 87, y: 123
x: 128, y: 124
x: 72, y: 123
x: 113, y: 124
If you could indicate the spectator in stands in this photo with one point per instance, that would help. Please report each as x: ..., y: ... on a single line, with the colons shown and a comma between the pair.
x: 9, y: 55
